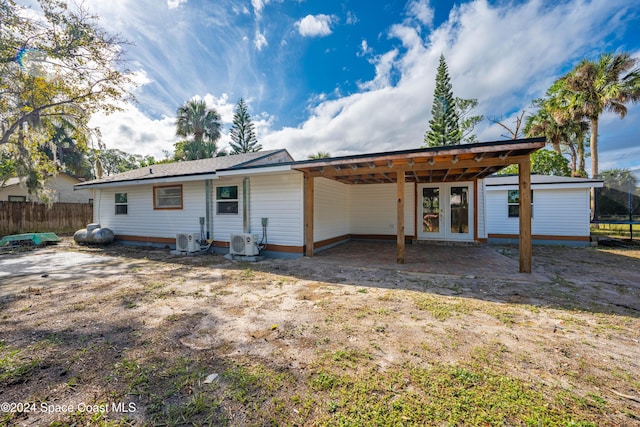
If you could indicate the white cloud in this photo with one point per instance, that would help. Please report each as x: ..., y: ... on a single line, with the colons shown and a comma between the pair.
x: 351, y: 18
x: 260, y: 41
x: 420, y: 10
x: 314, y: 25
x: 134, y: 132
x: 491, y: 56
x: 173, y: 4
x: 258, y: 6
x: 364, y: 49
x: 504, y: 54
x: 384, y: 65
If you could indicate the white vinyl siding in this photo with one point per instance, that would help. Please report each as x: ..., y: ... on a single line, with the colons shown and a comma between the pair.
x: 141, y: 218
x: 331, y: 213
x: 559, y: 212
x: 373, y: 209
x: 279, y: 198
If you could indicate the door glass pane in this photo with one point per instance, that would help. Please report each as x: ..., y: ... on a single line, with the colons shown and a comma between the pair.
x: 459, y: 209
x: 430, y: 210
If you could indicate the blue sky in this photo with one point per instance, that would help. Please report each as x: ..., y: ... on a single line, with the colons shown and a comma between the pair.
x: 357, y: 76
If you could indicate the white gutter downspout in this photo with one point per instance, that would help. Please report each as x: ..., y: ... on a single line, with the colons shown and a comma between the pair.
x: 246, y: 217
x: 208, y: 205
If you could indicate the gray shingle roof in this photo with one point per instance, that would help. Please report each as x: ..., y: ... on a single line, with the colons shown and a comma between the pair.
x: 187, y: 168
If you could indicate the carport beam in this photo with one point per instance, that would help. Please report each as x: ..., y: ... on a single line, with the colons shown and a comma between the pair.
x: 524, y: 191
x: 308, y: 214
x: 400, y: 177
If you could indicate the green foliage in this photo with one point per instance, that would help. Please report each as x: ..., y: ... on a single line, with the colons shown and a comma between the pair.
x: 7, y: 167
x: 57, y: 68
x: 467, y: 122
x: 621, y: 179
x: 543, y: 162
x: 243, y: 136
x: 195, y: 119
x: 595, y: 87
x: 113, y: 161
x: 444, y: 126
x: 319, y: 155
x: 560, y: 133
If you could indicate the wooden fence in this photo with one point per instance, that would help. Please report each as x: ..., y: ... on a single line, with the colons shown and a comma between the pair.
x: 28, y: 217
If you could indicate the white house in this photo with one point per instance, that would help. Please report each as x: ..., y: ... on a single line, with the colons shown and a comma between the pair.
x: 59, y: 188
x: 560, y: 209
x: 298, y: 207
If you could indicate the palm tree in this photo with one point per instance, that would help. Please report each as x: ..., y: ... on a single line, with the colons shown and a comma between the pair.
x: 569, y: 133
x: 593, y: 88
x: 319, y: 155
x: 194, y: 118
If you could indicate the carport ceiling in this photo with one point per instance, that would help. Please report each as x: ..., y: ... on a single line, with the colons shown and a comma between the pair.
x: 439, y: 164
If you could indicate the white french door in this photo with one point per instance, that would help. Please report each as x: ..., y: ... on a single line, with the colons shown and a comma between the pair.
x: 445, y: 211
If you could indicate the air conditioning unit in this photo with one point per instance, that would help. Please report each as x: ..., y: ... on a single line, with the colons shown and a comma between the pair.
x: 244, y: 244
x: 187, y: 242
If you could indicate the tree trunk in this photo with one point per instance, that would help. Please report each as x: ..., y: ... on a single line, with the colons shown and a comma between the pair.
x: 581, y: 168
x: 594, y: 161
x: 574, y: 156
x: 594, y: 147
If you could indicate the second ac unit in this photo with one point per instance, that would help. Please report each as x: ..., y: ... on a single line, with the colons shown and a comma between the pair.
x: 244, y: 244
x: 187, y: 242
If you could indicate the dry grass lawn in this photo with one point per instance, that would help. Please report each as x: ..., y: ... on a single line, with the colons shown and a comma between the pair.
x: 135, y: 336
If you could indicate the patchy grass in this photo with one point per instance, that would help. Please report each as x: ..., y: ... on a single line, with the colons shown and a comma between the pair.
x: 442, y: 308
x: 295, y: 345
x: 15, y: 365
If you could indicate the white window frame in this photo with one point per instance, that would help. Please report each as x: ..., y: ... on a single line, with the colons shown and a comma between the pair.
x: 515, y: 213
x: 229, y: 201
x: 121, y: 204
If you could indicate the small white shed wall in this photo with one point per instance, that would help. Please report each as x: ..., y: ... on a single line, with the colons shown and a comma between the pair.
x: 142, y: 220
x: 556, y: 212
x: 373, y: 209
x: 331, y: 209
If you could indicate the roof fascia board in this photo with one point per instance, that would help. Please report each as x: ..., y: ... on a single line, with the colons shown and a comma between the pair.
x: 477, y: 148
x: 255, y: 170
x: 133, y: 182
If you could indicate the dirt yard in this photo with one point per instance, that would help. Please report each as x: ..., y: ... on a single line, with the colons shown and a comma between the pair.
x: 126, y: 335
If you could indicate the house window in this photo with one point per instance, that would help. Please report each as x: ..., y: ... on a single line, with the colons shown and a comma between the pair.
x: 121, y: 203
x: 513, y: 203
x: 227, y: 200
x: 167, y: 197
x: 17, y: 198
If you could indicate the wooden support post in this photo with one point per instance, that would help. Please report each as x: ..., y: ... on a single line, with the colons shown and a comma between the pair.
x: 524, y: 191
x: 400, y: 215
x: 308, y: 214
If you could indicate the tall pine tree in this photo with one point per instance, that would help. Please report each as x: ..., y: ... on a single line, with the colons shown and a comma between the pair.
x: 444, y: 126
x: 243, y: 137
